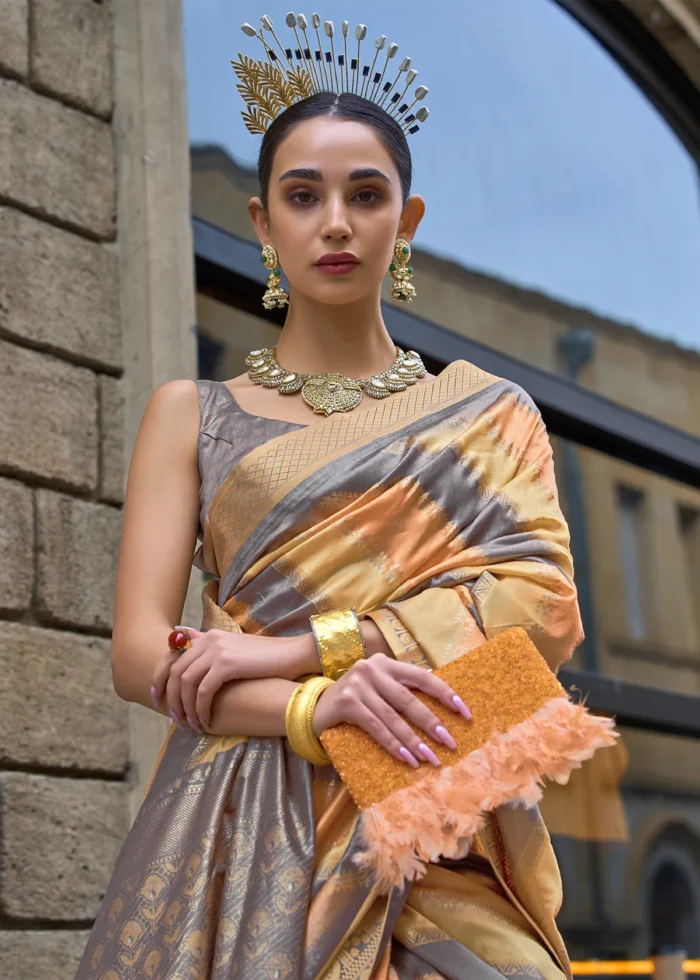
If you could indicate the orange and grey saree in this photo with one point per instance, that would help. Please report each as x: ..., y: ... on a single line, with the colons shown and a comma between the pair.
x: 435, y: 512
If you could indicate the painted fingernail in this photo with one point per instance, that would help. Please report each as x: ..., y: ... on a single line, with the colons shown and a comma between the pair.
x: 155, y: 698
x: 461, y: 706
x: 425, y: 753
x: 194, y: 726
x: 408, y: 757
x: 444, y: 736
x: 177, y: 721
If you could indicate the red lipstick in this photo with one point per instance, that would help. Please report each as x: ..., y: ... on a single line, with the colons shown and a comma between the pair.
x: 337, y: 263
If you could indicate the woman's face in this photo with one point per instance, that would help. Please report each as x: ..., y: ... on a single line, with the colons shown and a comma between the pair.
x: 334, y: 188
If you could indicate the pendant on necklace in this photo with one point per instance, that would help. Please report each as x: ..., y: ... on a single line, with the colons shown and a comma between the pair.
x: 332, y: 393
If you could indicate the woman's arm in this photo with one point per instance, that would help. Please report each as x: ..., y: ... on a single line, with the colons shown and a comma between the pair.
x: 159, y: 534
x: 374, y: 694
x: 258, y: 707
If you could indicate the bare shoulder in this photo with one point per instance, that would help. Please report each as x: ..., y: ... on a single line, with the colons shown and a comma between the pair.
x: 176, y: 402
x: 181, y: 394
x: 171, y: 418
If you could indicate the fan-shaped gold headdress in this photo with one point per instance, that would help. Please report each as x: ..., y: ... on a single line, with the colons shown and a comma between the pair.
x: 291, y: 74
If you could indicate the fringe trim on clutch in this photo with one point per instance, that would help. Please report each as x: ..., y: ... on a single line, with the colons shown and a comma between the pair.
x: 426, y: 820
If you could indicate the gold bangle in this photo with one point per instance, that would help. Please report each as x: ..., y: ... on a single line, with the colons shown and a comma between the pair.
x: 339, y: 640
x: 298, y: 720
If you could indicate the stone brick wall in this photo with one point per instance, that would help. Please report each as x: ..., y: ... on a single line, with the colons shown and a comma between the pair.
x: 64, y: 735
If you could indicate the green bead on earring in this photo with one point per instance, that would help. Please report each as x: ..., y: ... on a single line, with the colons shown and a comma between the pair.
x: 402, y: 291
x: 274, y: 297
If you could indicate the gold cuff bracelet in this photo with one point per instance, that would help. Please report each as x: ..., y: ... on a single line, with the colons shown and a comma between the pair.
x: 339, y: 640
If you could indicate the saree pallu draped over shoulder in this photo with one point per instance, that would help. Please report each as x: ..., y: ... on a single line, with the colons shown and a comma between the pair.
x: 435, y: 512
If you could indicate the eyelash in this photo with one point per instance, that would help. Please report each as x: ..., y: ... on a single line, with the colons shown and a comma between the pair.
x: 368, y: 190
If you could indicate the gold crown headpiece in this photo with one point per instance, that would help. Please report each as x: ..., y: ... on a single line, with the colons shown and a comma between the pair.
x: 291, y: 74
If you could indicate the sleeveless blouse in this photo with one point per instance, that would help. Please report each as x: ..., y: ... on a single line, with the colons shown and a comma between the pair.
x: 227, y: 432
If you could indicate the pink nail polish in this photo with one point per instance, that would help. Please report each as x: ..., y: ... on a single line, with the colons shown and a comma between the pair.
x: 154, y: 697
x: 177, y: 721
x: 444, y: 736
x: 461, y: 706
x: 428, y: 754
x: 193, y: 725
x: 408, y: 757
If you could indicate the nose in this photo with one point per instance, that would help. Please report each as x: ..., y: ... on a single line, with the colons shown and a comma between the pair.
x: 336, y: 223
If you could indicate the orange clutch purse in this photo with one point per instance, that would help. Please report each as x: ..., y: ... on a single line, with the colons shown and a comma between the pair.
x: 524, y: 728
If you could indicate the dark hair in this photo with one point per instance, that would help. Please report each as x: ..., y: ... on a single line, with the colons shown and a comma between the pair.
x: 346, y: 105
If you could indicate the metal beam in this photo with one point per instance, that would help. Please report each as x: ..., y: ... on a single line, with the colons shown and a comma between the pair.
x: 636, y: 705
x: 229, y: 268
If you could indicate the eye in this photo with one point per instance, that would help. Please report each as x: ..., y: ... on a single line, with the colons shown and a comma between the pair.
x: 366, y: 200
x: 297, y: 197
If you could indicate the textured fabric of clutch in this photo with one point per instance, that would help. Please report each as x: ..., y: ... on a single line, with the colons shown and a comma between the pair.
x: 524, y: 728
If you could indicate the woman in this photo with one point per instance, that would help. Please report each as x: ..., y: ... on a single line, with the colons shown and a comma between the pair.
x: 432, y: 512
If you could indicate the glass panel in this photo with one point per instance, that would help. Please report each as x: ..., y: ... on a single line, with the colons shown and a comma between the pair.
x: 635, y: 538
x: 630, y: 510
x: 626, y: 831
x: 557, y: 197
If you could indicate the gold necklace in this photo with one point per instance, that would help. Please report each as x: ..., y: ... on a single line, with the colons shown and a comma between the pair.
x: 334, y: 391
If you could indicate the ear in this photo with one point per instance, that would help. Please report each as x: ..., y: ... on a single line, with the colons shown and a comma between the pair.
x: 260, y: 219
x: 413, y: 211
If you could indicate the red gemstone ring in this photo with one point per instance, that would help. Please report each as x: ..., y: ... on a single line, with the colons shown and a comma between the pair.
x: 179, y: 641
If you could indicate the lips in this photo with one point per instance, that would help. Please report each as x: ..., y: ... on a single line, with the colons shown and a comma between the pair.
x: 337, y: 262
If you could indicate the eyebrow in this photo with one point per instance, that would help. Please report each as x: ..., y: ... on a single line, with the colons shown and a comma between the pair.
x: 308, y: 173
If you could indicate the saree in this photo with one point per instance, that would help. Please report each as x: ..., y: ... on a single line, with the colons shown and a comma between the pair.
x: 434, y: 512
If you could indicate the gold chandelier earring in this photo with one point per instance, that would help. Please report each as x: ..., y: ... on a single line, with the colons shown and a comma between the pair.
x: 403, y: 291
x: 274, y: 296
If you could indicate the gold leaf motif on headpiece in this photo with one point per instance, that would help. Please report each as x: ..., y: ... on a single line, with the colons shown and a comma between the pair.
x: 255, y: 122
x: 260, y: 89
x: 268, y: 91
x: 301, y: 84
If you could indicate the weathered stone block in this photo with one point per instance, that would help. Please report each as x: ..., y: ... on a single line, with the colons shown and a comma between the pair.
x: 14, y: 49
x: 72, y: 51
x: 61, y: 838
x: 78, y: 543
x: 56, y: 161
x: 59, y: 289
x: 48, y: 417
x: 16, y: 545
x: 57, y: 704
x: 111, y: 439
x: 39, y: 955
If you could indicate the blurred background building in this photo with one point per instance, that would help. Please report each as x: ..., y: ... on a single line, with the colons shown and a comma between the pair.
x: 560, y: 172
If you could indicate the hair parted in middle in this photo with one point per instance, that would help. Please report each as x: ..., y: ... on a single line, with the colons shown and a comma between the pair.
x: 346, y: 106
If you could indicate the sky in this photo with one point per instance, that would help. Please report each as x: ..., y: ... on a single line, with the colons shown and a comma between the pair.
x: 541, y: 162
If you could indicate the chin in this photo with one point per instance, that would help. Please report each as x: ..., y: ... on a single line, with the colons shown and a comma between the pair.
x: 339, y: 293
x: 339, y: 297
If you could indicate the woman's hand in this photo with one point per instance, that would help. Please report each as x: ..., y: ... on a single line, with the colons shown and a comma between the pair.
x: 374, y: 694
x: 188, y: 681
